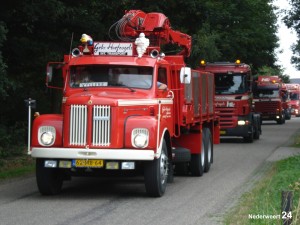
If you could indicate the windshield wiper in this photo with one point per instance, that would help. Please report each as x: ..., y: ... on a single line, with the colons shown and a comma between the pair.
x: 123, y: 85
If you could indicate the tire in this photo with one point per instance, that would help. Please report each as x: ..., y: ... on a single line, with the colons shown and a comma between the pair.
x: 250, y: 137
x: 257, y: 129
x: 156, y: 174
x: 281, y: 120
x: 198, y: 161
x: 49, y: 180
x: 208, y: 145
x: 170, y: 173
x: 256, y: 133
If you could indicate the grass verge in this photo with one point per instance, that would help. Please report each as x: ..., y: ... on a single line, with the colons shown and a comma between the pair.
x: 16, y: 167
x: 262, y: 205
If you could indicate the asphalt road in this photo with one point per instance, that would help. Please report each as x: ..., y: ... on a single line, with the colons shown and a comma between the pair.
x: 189, y: 200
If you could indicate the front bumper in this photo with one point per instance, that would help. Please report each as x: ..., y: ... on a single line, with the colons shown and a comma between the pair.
x: 271, y: 116
x: 82, y: 153
x: 241, y: 131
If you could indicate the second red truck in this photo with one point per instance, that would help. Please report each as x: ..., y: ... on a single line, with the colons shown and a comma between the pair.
x: 233, y: 99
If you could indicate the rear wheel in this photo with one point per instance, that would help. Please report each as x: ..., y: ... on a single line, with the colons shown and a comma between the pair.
x: 198, y: 160
x: 49, y: 180
x: 208, y: 149
x: 156, y: 174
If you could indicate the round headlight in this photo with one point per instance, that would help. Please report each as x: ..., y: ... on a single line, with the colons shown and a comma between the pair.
x: 140, y: 140
x: 47, y: 138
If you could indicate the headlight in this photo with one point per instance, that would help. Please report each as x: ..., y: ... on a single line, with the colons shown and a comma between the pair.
x: 46, y: 135
x: 241, y: 122
x: 47, y: 138
x: 140, y: 137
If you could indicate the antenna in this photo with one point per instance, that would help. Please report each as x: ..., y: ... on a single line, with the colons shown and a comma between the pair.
x: 70, y: 52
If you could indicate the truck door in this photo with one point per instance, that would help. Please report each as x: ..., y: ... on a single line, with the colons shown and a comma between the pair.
x: 55, y: 85
x: 165, y: 98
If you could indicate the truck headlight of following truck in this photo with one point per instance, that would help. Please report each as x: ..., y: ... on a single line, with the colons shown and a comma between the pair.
x: 243, y: 122
x: 46, y: 135
x: 140, y: 137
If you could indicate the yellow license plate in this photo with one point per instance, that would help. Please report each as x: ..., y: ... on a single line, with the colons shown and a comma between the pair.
x: 91, y: 163
x: 222, y: 132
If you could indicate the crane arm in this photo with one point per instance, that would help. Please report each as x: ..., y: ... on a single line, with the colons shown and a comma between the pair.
x: 156, y: 26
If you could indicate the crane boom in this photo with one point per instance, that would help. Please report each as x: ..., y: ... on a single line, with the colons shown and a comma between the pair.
x: 156, y: 26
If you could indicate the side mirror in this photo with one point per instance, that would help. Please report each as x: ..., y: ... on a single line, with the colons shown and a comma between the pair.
x: 185, y: 75
x: 49, y: 73
x: 54, y: 76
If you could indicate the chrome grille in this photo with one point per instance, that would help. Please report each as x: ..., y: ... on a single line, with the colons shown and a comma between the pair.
x: 78, y: 124
x: 100, y: 135
x: 101, y: 125
x: 227, y: 117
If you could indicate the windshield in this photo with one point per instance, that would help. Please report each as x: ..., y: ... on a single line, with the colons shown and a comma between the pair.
x: 294, y: 96
x: 230, y: 83
x: 266, y: 93
x: 98, y: 76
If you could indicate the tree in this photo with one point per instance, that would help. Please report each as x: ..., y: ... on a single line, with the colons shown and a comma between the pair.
x: 292, y: 20
x: 5, y: 84
x: 247, y: 31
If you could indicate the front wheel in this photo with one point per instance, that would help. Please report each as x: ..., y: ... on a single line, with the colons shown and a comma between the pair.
x: 257, y: 131
x: 49, y: 180
x: 250, y: 137
x: 156, y: 174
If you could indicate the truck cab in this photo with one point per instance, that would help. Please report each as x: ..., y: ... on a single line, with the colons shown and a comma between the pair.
x: 233, y: 99
x: 270, y: 98
x: 294, y: 96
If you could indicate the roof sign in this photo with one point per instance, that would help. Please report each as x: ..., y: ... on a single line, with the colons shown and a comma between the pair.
x: 113, y: 48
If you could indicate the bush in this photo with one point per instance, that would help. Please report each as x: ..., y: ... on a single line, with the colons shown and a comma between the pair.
x: 12, y: 140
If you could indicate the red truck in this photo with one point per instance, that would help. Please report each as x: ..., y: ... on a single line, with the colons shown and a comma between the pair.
x: 270, y: 99
x: 294, y: 95
x: 127, y: 107
x: 233, y: 99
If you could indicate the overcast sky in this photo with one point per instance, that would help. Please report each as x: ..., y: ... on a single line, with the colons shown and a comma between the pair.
x: 287, y: 38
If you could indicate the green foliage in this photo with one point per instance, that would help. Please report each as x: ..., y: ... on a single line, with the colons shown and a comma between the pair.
x: 246, y: 30
x: 204, y: 45
x: 15, y: 167
x: 5, y: 84
x: 292, y: 20
x: 12, y: 140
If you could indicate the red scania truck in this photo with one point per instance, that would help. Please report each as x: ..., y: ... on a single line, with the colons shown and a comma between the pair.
x: 233, y: 99
x: 127, y: 106
x: 294, y: 95
x: 270, y: 98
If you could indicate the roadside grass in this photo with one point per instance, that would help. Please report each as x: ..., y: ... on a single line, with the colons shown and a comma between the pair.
x: 296, y: 141
x: 265, y: 198
x: 16, y: 166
